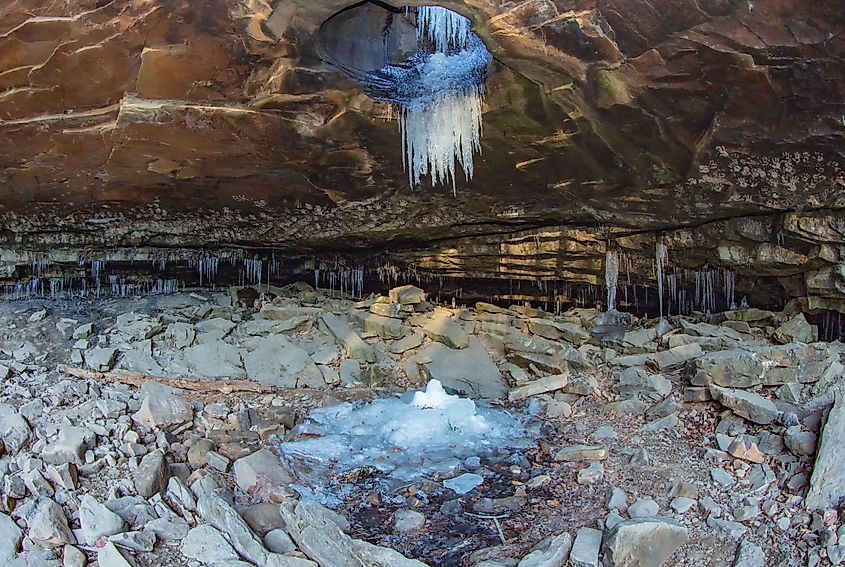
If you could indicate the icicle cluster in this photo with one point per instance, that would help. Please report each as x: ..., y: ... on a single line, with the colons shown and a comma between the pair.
x: 437, y: 133
x: 443, y: 28
x: 437, y: 94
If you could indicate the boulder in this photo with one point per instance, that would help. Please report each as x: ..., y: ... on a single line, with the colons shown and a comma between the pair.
x: 353, y: 345
x: 796, y: 330
x: 207, y: 545
x: 643, y: 542
x: 261, y: 474
x: 384, y: 327
x: 162, y: 406
x: 100, y: 359
x: 676, y: 357
x: 569, y: 332
x: 152, y: 474
x: 70, y: 446
x: 585, y: 550
x: 220, y: 515
x: 442, y: 328
x: 10, y: 538
x: 48, y: 525
x: 110, y: 556
x: 314, y: 530
x: 97, y: 520
x: 469, y: 371
x: 749, y: 555
x: 827, y: 484
x: 394, y: 310
x: 539, y: 386
x: 582, y: 453
x: 406, y: 295
x: 636, y: 382
x: 14, y: 430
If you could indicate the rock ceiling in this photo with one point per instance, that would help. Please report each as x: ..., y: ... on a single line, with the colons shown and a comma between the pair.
x: 144, y: 126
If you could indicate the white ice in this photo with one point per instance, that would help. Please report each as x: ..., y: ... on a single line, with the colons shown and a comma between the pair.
x: 444, y: 28
x: 463, y: 483
x: 437, y: 133
x: 661, y: 257
x: 611, y: 276
x: 430, y: 432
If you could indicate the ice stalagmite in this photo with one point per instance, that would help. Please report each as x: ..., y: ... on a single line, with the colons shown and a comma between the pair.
x: 611, y: 276
x: 662, y: 258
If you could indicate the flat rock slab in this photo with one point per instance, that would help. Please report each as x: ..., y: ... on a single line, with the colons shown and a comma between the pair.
x: 276, y: 361
x: 215, y: 359
x: 585, y: 550
x: 582, y: 453
x: 313, y: 528
x: 469, y: 371
x: 748, y: 405
x: 827, y: 484
x: 551, y: 552
x: 540, y: 386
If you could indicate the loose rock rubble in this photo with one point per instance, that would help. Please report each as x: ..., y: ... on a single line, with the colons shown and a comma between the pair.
x: 146, y: 432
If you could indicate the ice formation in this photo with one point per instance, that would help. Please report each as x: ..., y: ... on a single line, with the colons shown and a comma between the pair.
x: 443, y: 28
x: 438, y: 93
x: 611, y: 276
x: 661, y: 258
x: 430, y: 432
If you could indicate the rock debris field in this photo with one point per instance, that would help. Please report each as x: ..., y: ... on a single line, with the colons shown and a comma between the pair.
x: 265, y: 426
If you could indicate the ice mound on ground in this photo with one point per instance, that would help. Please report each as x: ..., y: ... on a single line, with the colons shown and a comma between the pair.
x: 432, y: 432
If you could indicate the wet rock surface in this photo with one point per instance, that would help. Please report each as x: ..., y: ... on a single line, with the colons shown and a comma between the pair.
x: 632, y: 465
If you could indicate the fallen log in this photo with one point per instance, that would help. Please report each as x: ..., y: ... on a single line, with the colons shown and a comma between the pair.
x: 193, y: 384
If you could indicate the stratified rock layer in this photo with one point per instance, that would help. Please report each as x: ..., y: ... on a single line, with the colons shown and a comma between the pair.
x: 147, y: 130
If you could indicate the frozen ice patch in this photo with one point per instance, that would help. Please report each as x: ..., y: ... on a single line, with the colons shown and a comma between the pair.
x: 425, y: 433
